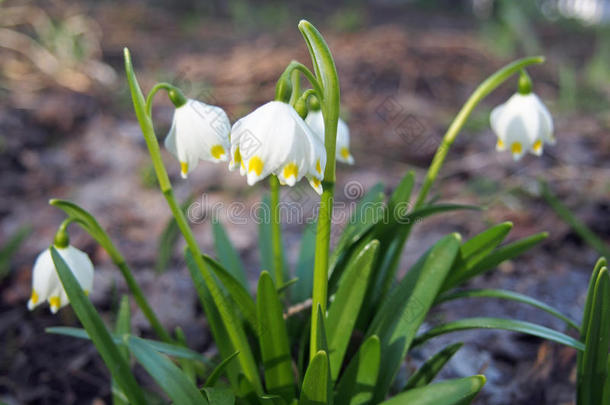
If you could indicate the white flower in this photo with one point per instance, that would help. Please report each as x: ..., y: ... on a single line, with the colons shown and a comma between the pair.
x: 316, y: 121
x: 522, y: 124
x: 274, y: 139
x: 199, y: 131
x: 45, y: 281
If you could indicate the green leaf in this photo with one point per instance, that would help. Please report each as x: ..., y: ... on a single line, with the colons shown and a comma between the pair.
x: 123, y: 327
x: 93, y: 228
x: 225, y: 325
x: 508, y: 295
x: 219, y: 396
x: 304, y: 268
x: 499, y: 323
x: 474, y: 250
x: 316, y: 383
x: 358, y: 381
x: 169, y: 377
x: 451, y: 392
x: 10, y: 248
x: 593, y: 369
x: 239, y: 293
x: 168, y: 239
x: 577, y: 225
x: 368, y: 211
x: 426, y: 373
x: 344, y: 310
x: 392, y: 249
x: 162, y: 347
x: 218, y: 370
x: 227, y: 255
x: 187, y: 366
x: 496, y: 257
x: 399, y: 326
x: 273, y: 340
x: 88, y: 316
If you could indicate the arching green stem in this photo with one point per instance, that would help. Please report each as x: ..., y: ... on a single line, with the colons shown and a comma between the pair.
x: 479, y: 94
x: 233, y: 327
x: 326, y: 85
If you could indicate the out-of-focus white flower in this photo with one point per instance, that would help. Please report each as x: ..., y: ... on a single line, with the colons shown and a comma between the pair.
x: 199, y: 132
x: 274, y: 139
x: 46, y: 285
x: 316, y: 121
x: 522, y: 124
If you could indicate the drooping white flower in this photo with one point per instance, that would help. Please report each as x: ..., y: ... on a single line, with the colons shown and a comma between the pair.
x: 316, y: 121
x: 199, y: 132
x: 522, y: 124
x: 274, y: 139
x: 46, y: 285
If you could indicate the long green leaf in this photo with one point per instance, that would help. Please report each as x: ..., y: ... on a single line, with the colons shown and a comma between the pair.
x: 218, y: 370
x: 496, y: 257
x: 220, y: 396
x: 273, y: 339
x: 227, y: 255
x: 344, y: 310
x: 122, y: 327
x: 577, y: 225
x: 451, y: 392
x: 426, y: 373
x: 119, y: 339
x: 499, y: 323
x: 358, y: 381
x: 239, y: 293
x: 88, y: 316
x: 316, y: 382
x: 368, y: 211
x: 304, y: 268
x: 476, y: 249
x: 219, y: 328
x: 10, y: 248
x: 586, y: 318
x: 593, y: 368
x: 93, y: 228
x: 391, y: 251
x: 508, y: 295
x: 169, y: 377
x: 399, y: 326
x: 168, y: 239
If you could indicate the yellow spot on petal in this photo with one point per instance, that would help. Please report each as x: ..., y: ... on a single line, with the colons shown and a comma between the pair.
x: 86, y: 292
x: 237, y: 156
x: 217, y: 151
x: 34, y: 297
x: 184, y: 168
x: 516, y: 148
x: 500, y: 144
x: 291, y: 169
x: 537, y: 145
x: 344, y: 153
x: 54, y: 302
x: 318, y: 167
x: 315, y: 181
x: 255, y: 164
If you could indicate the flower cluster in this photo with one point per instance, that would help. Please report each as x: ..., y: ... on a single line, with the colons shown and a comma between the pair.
x: 271, y: 140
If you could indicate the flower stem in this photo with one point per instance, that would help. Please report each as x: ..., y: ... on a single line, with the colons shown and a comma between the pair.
x: 276, y: 232
x: 479, y: 94
x: 326, y: 84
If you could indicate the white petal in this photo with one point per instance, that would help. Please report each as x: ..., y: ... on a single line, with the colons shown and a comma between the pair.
x: 199, y: 131
x: 46, y: 283
x: 44, y: 279
x: 315, y: 120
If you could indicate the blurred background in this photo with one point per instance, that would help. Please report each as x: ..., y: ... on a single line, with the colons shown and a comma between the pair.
x: 67, y: 130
